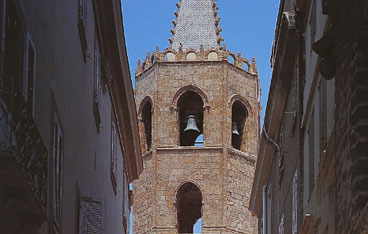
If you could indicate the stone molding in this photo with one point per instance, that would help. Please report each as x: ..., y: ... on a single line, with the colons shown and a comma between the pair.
x: 142, y: 104
x: 193, y: 88
x: 238, y: 97
x: 251, y: 160
x: 177, y: 149
x: 169, y: 56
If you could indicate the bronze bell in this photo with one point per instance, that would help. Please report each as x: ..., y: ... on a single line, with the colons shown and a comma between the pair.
x: 235, y: 129
x: 191, y: 124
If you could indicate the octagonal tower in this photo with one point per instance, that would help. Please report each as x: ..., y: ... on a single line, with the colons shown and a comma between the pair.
x: 199, y: 126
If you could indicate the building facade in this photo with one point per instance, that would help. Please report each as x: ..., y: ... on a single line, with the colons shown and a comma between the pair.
x: 311, y: 167
x: 199, y: 124
x: 69, y: 133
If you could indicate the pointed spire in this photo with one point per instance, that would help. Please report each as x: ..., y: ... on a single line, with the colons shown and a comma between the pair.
x: 196, y: 24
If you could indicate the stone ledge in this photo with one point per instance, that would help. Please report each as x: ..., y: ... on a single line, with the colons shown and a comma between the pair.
x: 249, y: 158
x: 188, y: 148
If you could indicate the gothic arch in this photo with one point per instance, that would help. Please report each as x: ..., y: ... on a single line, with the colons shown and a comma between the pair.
x: 187, y: 88
x: 191, y: 114
x: 242, y: 100
x: 145, y: 113
x: 188, y: 203
x: 143, y: 104
x: 239, y: 115
x: 185, y: 182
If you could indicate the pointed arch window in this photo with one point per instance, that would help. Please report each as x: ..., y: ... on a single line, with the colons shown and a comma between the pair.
x: 239, y: 115
x: 147, y: 122
x: 190, y: 107
x: 189, y: 207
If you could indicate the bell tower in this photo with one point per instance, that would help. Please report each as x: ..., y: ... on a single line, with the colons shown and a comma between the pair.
x: 198, y: 107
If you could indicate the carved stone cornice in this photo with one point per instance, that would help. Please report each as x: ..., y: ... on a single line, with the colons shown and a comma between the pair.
x: 192, y: 55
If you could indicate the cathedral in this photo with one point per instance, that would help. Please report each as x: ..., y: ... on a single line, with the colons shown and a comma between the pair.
x: 198, y: 107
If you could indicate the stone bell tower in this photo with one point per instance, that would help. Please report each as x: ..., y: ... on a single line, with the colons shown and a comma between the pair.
x: 199, y: 125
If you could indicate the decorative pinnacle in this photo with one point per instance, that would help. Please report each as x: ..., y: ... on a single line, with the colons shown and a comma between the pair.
x: 254, y: 65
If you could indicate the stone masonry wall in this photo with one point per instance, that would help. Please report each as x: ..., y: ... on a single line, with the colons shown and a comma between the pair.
x: 203, y: 167
x: 240, y: 170
x: 225, y: 179
x: 143, y: 198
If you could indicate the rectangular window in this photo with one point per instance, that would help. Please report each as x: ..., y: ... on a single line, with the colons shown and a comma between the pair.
x: 58, y: 157
x: 91, y: 216
x: 311, y: 153
x: 114, y: 164
x: 31, y: 72
x: 82, y: 22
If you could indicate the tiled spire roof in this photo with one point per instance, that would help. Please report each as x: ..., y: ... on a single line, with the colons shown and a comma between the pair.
x: 196, y: 24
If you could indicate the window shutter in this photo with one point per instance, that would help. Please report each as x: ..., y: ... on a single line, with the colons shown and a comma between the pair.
x: 91, y: 217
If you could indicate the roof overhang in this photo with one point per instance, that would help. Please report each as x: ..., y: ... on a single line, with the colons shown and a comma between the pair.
x: 121, y: 89
x: 284, y: 57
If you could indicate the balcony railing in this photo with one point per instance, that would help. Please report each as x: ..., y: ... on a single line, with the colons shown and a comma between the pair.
x: 22, y: 139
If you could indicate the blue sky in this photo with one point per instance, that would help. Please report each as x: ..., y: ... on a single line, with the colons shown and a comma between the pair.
x: 248, y: 27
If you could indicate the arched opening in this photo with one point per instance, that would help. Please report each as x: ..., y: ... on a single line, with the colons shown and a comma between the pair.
x: 239, y: 115
x: 246, y: 65
x: 231, y: 59
x: 190, y: 106
x: 212, y: 56
x: 189, y: 207
x: 191, y: 56
x: 169, y: 56
x: 147, y: 122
